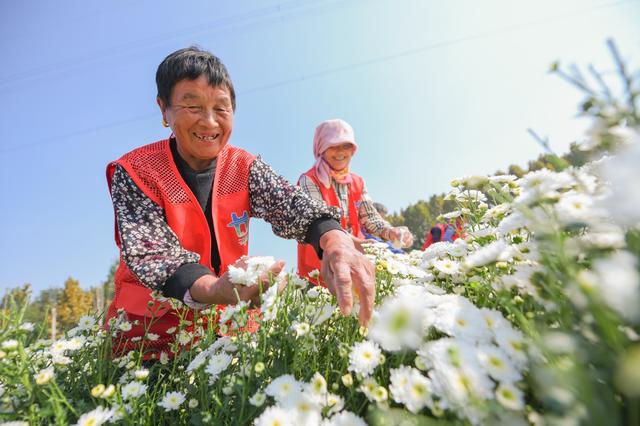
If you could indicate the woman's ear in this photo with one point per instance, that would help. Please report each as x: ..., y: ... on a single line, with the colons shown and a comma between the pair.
x: 162, y: 106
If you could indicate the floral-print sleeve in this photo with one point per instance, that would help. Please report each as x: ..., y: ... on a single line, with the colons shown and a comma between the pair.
x: 288, y: 209
x: 150, y: 248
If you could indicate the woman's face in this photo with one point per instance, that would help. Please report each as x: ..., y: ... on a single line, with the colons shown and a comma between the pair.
x: 201, y: 118
x: 339, y: 156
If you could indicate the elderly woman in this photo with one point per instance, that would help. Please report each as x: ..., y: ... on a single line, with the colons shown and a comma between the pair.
x: 330, y: 180
x: 182, y: 208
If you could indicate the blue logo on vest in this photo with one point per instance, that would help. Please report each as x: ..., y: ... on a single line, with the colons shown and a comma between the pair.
x: 236, y: 223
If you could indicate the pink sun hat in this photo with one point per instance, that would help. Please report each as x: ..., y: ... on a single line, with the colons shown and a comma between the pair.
x: 330, y: 133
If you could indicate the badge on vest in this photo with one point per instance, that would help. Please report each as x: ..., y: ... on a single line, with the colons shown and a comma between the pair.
x: 236, y: 223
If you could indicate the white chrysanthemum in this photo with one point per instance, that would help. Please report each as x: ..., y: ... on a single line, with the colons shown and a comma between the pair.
x: 224, y: 343
x: 458, y: 317
x: 455, y: 372
x: 485, y: 255
x: 497, y: 364
x: 10, y: 345
x: 493, y: 319
x: 334, y: 402
x: 364, y: 358
x: 399, y: 322
x: 512, y: 222
x: 217, y: 364
x: 15, y: 423
x: 318, y: 315
x: 458, y: 248
x: 133, y: 389
x: 317, y: 385
x: 510, y: 396
x: 575, y: 207
x: 619, y: 283
x: 623, y: 174
x: 512, y: 342
x: 256, y: 266
x: 96, y: 417
x: 300, y: 328
x: 283, y: 387
x: 76, y: 343
x: 197, y: 361
x: 86, y: 322
x: 345, y: 418
x: 44, y: 376
x: 542, y: 184
x: 496, y: 212
x: 409, y: 387
x: 258, y: 399
x: 298, y: 283
x: 27, y: 326
x: 275, y: 416
x: 172, y: 401
x: 446, y: 266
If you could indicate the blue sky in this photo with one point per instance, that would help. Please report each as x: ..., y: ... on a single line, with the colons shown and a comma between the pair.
x: 433, y: 89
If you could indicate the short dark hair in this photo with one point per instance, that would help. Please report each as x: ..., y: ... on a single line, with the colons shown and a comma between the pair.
x: 189, y: 64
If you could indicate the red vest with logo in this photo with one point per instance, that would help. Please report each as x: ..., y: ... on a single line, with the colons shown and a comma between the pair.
x: 154, y: 171
x: 307, y: 257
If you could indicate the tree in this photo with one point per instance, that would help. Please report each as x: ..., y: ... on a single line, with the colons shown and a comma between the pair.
x: 73, y: 304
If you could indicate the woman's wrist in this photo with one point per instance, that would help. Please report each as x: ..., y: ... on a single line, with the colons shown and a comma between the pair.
x: 204, y: 289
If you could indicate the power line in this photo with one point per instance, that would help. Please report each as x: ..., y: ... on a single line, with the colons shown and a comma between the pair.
x: 254, y: 17
x: 334, y: 70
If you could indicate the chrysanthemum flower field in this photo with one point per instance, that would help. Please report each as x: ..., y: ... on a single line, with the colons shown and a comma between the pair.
x: 531, y: 318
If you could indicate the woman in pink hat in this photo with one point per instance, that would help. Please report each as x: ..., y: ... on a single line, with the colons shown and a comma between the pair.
x: 330, y: 180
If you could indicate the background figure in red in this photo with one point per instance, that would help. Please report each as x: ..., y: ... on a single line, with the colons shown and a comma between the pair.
x: 443, y: 232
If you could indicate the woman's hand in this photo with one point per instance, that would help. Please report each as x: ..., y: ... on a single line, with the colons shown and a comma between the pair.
x: 400, y: 237
x: 346, y: 270
x: 221, y: 291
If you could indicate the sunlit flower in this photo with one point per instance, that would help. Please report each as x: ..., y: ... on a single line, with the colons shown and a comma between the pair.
x: 497, y: 364
x: 10, y: 345
x: 96, y: 417
x: 510, y: 396
x: 44, y: 376
x: 217, y: 364
x: 345, y: 418
x: 86, y: 322
x: 364, y: 357
x: 172, y: 401
x: 409, y: 387
x: 258, y: 399
x: 274, y: 416
x: 133, y: 390
x: 283, y: 387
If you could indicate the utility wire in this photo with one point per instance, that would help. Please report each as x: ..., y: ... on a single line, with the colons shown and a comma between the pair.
x: 334, y: 70
x: 253, y: 17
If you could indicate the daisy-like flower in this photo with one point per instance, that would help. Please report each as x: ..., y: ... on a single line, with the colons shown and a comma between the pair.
x: 152, y: 337
x: 510, y: 396
x: 319, y: 315
x: 497, y: 364
x: 458, y: 317
x: 334, y: 402
x: 283, y: 387
x: 27, y: 326
x: 10, y: 345
x: 368, y: 387
x: 217, y: 364
x: 485, y: 255
x: 619, y: 283
x: 345, y: 418
x: 409, y: 387
x: 44, y: 376
x: 125, y: 326
x: 133, y: 389
x: 301, y: 328
x: 275, y: 416
x: 172, y: 401
x: 141, y: 374
x: 96, y: 417
x: 512, y: 342
x: 256, y: 266
x: 258, y: 399
x: 399, y: 322
x: 198, y: 361
x: 317, y: 386
x: 364, y: 358
x: 575, y: 207
x: 184, y: 337
x: 86, y: 322
x: 446, y: 266
x: 164, y: 358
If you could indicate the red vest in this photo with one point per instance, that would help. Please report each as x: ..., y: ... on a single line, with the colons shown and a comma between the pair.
x: 154, y: 171
x: 307, y: 257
